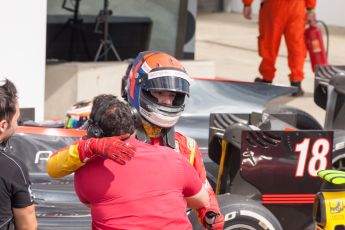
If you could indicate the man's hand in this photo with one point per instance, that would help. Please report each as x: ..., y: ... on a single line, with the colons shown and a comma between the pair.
x: 311, y: 18
x: 213, y: 220
x: 110, y: 147
x: 247, y: 12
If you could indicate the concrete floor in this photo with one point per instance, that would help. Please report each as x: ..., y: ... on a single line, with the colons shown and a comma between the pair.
x: 231, y: 42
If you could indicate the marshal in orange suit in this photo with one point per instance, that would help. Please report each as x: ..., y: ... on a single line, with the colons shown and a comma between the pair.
x: 278, y: 18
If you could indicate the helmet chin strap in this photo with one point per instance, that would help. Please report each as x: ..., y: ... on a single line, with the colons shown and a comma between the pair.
x: 168, y: 136
x: 141, y: 135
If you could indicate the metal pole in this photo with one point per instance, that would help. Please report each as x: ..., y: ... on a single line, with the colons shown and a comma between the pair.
x: 106, y: 29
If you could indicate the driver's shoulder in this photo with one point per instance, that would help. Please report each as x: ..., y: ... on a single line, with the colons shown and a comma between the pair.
x: 184, y: 140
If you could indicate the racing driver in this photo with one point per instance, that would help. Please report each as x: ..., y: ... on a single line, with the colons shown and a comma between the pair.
x: 156, y: 89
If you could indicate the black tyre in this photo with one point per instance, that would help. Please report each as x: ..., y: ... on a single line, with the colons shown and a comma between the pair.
x: 304, y: 120
x: 241, y: 213
x: 338, y: 161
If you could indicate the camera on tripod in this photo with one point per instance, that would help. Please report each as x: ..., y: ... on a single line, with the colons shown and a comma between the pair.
x: 69, y: 6
x: 102, y: 27
x: 75, y: 29
x: 100, y: 20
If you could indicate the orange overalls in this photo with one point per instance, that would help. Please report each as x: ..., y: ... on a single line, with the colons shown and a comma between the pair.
x: 277, y: 18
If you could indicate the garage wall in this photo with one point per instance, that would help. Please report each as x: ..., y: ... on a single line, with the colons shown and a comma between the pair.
x: 163, y: 13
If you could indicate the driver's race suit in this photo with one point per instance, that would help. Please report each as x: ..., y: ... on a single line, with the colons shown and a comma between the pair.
x: 66, y: 161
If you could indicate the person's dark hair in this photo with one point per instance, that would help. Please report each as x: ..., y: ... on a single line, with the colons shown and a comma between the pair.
x: 8, y: 99
x: 115, y: 119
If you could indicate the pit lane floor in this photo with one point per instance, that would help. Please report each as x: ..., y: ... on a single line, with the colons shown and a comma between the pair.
x: 231, y: 42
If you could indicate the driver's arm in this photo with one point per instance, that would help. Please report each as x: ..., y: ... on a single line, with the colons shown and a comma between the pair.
x: 64, y: 162
x: 213, y: 203
x: 199, y: 200
x: 69, y: 159
x: 194, y: 192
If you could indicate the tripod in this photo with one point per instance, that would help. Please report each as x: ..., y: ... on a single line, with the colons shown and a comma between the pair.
x: 77, y: 33
x: 106, y: 44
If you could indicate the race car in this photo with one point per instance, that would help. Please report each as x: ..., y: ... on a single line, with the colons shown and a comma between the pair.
x: 269, y: 161
x: 273, y: 172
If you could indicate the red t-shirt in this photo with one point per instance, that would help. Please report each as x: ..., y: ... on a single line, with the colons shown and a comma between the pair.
x: 146, y: 193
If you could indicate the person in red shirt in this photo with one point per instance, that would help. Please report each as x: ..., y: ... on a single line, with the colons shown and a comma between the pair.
x: 278, y: 18
x: 157, y: 88
x: 151, y: 192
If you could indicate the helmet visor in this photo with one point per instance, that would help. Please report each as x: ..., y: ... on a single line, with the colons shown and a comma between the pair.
x: 161, y: 115
x: 167, y: 80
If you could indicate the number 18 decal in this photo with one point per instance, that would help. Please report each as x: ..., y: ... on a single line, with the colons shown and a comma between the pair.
x: 318, y: 161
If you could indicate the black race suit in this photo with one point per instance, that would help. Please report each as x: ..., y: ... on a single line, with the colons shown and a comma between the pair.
x: 15, y: 189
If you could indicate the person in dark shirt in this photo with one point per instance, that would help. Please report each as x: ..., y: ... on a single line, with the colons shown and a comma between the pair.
x: 17, y: 210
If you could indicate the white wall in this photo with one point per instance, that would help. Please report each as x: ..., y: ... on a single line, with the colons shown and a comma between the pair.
x: 22, y: 50
x: 329, y: 11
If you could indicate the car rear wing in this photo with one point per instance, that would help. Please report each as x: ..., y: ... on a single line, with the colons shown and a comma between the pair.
x: 229, y: 126
x: 329, y: 94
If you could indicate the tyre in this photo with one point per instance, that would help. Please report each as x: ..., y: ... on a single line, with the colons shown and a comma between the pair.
x: 241, y: 213
x: 338, y: 160
x: 304, y: 120
x: 245, y: 214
